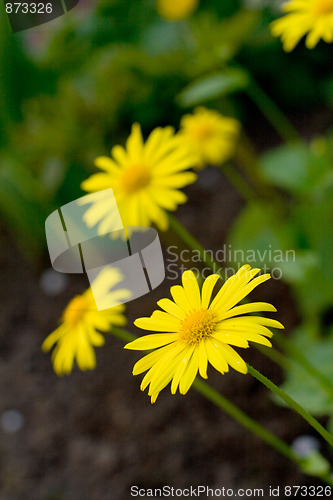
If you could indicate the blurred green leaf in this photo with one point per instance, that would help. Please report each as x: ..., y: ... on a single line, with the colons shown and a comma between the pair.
x: 261, y: 236
x: 294, y: 168
x: 24, y: 209
x: 301, y: 386
x: 315, y: 464
x: 213, y: 86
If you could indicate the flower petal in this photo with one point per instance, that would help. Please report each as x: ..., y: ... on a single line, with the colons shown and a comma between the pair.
x: 207, y: 289
x: 154, y: 325
x: 171, y: 308
x: 190, y: 373
x: 215, y: 356
x: 247, y: 308
x: 191, y: 289
x: 152, y: 341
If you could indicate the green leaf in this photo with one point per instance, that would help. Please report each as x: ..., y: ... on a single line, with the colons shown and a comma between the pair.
x: 24, y: 208
x: 259, y: 238
x: 315, y: 464
x: 294, y: 168
x: 213, y: 86
x: 301, y: 386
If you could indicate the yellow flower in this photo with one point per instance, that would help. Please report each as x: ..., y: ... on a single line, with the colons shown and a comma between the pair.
x: 77, y: 334
x: 176, y: 10
x: 145, y: 178
x: 197, y: 330
x: 312, y: 17
x: 210, y: 135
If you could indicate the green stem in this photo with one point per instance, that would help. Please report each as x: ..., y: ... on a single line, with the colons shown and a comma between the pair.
x: 292, y: 403
x: 233, y: 411
x: 291, y: 349
x: 123, y: 334
x: 274, y: 355
x: 223, y: 403
x: 248, y: 162
x: 242, y: 418
x: 238, y: 182
x: 192, y: 242
x: 295, y: 353
x: 273, y: 114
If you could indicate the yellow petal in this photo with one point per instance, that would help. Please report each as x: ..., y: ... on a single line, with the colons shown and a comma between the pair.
x: 190, y: 373
x: 207, y: 289
x: 171, y: 308
x: 203, y: 360
x: 246, y: 308
x: 151, y: 341
x: 180, y: 298
x: 231, y: 339
x: 215, y: 356
x: 191, y: 289
x: 181, y: 368
x: 166, y: 318
x: 243, y: 292
x: 155, y: 325
x: 150, y: 359
x: 232, y: 357
x: 53, y: 338
x: 166, y: 370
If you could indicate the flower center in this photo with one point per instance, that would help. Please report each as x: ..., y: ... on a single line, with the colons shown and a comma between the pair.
x: 197, y: 325
x: 75, y: 310
x: 135, y: 178
x: 203, y: 131
x: 322, y: 7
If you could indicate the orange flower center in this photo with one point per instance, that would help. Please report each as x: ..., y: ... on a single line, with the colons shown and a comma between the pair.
x: 323, y: 7
x: 203, y: 131
x: 197, y: 325
x: 135, y: 178
x: 75, y: 310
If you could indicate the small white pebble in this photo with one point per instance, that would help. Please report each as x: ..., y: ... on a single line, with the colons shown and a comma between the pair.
x: 53, y: 283
x: 303, y: 446
x: 11, y: 421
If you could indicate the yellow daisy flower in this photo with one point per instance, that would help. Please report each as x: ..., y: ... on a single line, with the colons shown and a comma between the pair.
x: 77, y: 334
x: 312, y: 17
x: 176, y: 10
x: 197, y: 330
x: 210, y: 135
x: 145, y: 178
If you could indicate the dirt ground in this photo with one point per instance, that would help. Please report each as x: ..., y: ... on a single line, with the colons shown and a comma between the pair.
x: 92, y: 435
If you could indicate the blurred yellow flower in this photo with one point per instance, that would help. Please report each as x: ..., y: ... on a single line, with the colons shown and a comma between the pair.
x: 77, y: 334
x: 312, y: 17
x: 176, y: 10
x: 200, y: 330
x: 210, y: 135
x: 145, y: 178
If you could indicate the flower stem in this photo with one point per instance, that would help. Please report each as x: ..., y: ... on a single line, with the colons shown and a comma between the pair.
x: 238, y: 182
x: 123, y: 334
x: 292, y: 403
x: 273, y: 114
x: 248, y: 162
x: 296, y: 354
x: 236, y: 413
x: 192, y: 242
x: 291, y: 349
x: 242, y: 418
